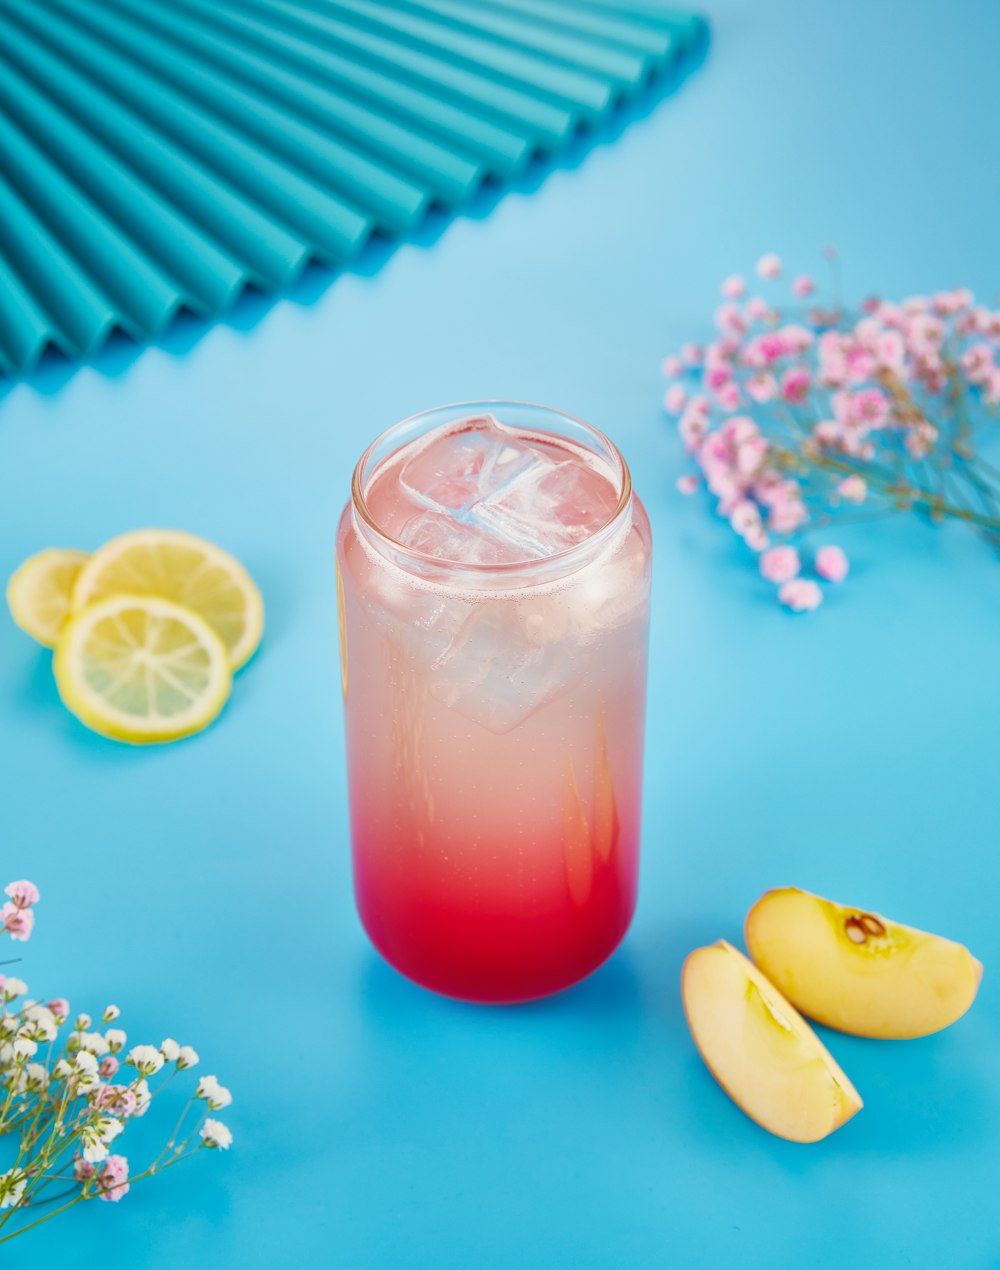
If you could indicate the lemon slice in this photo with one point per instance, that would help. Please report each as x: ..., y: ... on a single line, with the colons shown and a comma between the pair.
x: 140, y: 668
x: 185, y: 569
x: 39, y: 592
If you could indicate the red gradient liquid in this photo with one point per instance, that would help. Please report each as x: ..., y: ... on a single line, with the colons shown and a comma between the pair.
x: 494, y: 737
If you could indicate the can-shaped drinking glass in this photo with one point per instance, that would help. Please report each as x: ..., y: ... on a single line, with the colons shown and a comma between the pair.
x: 493, y: 574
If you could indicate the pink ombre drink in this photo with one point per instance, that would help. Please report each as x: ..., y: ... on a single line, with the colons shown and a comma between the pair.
x: 493, y: 581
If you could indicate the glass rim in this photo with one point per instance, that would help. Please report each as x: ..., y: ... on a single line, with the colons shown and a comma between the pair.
x: 435, y: 564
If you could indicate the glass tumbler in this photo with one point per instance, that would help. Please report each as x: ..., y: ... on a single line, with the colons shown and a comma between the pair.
x: 493, y: 573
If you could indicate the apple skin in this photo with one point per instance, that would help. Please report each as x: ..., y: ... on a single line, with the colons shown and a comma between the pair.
x: 857, y: 971
x: 760, y: 1049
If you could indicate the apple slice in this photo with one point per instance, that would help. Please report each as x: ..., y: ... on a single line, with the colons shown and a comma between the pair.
x: 759, y: 1048
x: 857, y: 971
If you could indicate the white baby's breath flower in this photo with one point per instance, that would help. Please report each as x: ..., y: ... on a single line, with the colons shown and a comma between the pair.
x: 83, y: 1023
x: 24, y: 1048
x: 170, y: 1050
x: 111, y: 1012
x: 42, y: 1021
x: 187, y: 1057
x: 14, y: 988
x: 147, y: 1059
x: 98, y: 1136
x: 12, y: 1184
x: 36, y: 1078
x: 17, y: 1081
x: 142, y: 1097
x: 217, y: 1096
x: 215, y: 1134
x: 92, y: 1043
x: 116, y: 1039
x: 61, y: 1070
x: 85, y: 1075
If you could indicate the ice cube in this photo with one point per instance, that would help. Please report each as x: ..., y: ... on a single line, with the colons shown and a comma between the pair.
x: 547, y: 507
x: 421, y: 619
x: 612, y: 591
x: 445, y: 537
x: 501, y: 667
x: 458, y: 466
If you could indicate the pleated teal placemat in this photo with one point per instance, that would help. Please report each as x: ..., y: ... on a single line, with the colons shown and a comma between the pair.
x: 164, y: 154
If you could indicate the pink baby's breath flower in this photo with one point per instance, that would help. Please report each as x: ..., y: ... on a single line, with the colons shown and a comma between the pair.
x: 801, y: 595
x: 795, y: 384
x: 738, y: 429
x: 831, y: 563
x: 17, y: 922
x: 674, y: 399
x: 718, y: 375
x: 920, y: 438
x: 867, y: 383
x: 692, y: 425
x: 866, y: 409
x: 780, y: 564
x: 761, y: 387
x: 859, y: 361
x: 950, y: 302
x: 119, y: 1100
x: 977, y: 363
x: 83, y: 1170
x: 770, y: 489
x: 60, y: 1008
x: 769, y: 266
x: 107, y: 1066
x: 691, y: 354
x: 23, y: 894
x: 832, y: 362
x: 744, y: 517
x: 729, y: 319
x: 764, y: 350
x: 787, y: 515
x: 757, y: 308
x: 687, y: 484
x: 750, y: 455
x: 890, y: 352
x: 721, y: 352
x: 853, y: 489
x: 721, y: 481
x: 112, y: 1179
x: 923, y: 333
x: 672, y: 366
x: 756, y: 538
x: 797, y: 338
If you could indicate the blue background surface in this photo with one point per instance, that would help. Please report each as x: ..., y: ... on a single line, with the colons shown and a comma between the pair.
x: 206, y: 886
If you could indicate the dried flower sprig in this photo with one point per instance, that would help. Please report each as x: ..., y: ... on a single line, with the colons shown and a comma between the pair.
x: 797, y: 415
x: 68, y: 1103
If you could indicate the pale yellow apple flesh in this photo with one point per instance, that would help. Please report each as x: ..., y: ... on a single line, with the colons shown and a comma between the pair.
x: 760, y: 1049
x: 857, y: 971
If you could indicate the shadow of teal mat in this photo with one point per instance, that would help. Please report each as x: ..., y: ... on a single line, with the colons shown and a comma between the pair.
x: 166, y: 157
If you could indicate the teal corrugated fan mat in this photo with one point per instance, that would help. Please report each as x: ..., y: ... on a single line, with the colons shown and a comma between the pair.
x: 164, y: 154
